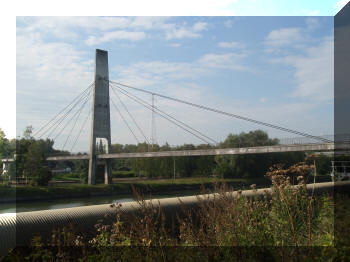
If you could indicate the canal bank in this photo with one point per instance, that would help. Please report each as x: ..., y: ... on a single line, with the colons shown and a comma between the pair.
x: 160, y: 186
x: 21, y: 194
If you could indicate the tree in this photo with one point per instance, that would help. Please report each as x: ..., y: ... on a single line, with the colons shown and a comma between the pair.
x: 185, y: 166
x: 42, y: 177
x: 35, y: 163
x: 204, y: 164
x: 31, y: 158
x: 166, y: 164
x: 323, y: 165
x: 81, y: 167
x: 27, y: 134
x: 3, y: 143
x: 7, y: 147
x: 11, y: 172
x: 252, y: 165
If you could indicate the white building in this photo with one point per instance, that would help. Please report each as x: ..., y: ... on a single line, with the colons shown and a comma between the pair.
x: 340, y: 170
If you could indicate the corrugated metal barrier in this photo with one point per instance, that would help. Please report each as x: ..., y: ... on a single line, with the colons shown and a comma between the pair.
x: 18, y: 229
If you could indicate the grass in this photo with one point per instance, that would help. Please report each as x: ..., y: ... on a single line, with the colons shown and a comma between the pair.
x: 189, y: 180
x: 66, y: 191
x: 122, y: 174
x: 66, y: 177
x: 21, y: 192
x: 7, y: 191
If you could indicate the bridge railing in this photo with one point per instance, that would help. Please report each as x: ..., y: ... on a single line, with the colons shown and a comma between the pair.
x: 304, y: 140
x: 281, y: 141
x: 339, y: 138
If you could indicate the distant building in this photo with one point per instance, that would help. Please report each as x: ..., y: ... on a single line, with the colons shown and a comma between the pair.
x: 340, y: 170
x: 4, y: 169
x: 6, y: 165
x: 64, y: 170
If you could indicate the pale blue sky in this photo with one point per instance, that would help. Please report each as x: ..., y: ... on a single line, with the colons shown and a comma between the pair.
x: 52, y: 32
x: 273, y: 69
x: 286, y: 7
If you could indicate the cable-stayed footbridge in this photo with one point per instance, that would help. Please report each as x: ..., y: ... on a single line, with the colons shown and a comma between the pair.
x: 105, y: 93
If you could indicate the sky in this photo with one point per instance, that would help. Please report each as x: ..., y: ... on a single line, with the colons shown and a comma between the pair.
x: 277, y: 69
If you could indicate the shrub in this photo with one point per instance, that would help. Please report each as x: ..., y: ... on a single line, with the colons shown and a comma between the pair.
x: 42, y: 177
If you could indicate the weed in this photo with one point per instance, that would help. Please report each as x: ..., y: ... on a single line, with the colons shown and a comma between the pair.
x: 287, y: 223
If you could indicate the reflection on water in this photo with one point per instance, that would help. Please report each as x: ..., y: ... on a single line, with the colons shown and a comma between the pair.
x: 76, y: 202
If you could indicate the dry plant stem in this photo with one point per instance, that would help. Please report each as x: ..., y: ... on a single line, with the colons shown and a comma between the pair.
x: 310, y: 207
x: 290, y: 218
x: 309, y: 225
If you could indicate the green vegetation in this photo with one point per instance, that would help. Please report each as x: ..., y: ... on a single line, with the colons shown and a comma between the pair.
x: 154, y: 186
x: 235, y: 166
x: 153, y: 175
x: 30, y: 158
x: 289, y: 225
x: 124, y: 187
x: 31, y: 154
x: 123, y: 174
x: 66, y: 177
x: 6, y: 191
x: 7, y: 147
x: 7, y: 150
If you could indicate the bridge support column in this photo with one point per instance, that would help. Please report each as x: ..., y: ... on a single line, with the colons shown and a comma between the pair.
x: 108, y: 172
x: 100, y: 123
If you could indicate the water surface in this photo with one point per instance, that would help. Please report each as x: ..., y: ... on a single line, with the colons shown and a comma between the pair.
x: 77, y: 202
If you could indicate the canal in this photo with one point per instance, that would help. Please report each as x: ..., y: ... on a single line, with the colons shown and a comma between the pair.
x: 76, y: 202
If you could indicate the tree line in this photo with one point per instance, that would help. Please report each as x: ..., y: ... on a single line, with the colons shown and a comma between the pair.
x: 31, y: 154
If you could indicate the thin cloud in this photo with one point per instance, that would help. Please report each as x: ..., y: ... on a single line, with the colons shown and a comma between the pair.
x: 88, y: 23
x: 181, y: 33
x: 200, y: 26
x: 111, y: 28
x: 282, y: 37
x: 314, y: 71
x: 228, y: 23
x: 230, y: 45
x: 175, y: 44
x: 156, y: 72
x: 229, y: 61
x: 312, y: 23
x: 54, y: 71
x: 263, y: 99
x: 174, y: 32
x: 115, y: 35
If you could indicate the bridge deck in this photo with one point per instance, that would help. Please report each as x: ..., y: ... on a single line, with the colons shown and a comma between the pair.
x: 210, y: 152
x: 207, y: 152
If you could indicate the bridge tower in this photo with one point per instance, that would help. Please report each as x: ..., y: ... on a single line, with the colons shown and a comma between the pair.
x: 100, y: 123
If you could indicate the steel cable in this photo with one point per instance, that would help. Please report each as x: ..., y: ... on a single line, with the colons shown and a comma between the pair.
x: 63, y: 117
x: 193, y: 129
x: 81, y: 94
x: 81, y: 128
x: 86, y: 99
x: 229, y: 114
x: 76, y: 120
x: 136, y: 99
x: 132, y: 118
x: 126, y: 123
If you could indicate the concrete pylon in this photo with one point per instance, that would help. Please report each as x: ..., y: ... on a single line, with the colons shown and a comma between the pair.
x: 100, y: 123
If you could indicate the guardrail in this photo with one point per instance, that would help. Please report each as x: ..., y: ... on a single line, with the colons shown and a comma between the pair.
x: 18, y: 229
